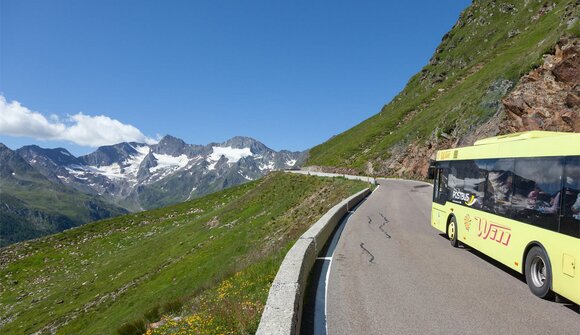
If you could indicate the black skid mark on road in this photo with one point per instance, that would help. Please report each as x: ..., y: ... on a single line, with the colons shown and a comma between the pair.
x: 384, y: 217
x: 370, y: 220
x: 383, y: 230
x: 383, y: 224
x: 362, y: 245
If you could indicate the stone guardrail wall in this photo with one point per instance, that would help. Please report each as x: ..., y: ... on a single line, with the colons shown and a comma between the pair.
x: 324, y: 174
x: 416, y: 181
x: 283, y: 311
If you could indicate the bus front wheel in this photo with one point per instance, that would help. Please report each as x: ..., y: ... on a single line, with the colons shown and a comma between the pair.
x: 452, y: 232
x: 539, y: 273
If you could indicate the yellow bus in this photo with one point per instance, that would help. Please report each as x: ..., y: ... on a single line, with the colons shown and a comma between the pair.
x: 516, y: 198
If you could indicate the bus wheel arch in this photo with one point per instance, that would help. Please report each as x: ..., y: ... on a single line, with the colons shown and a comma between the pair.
x: 451, y: 230
x: 537, y: 269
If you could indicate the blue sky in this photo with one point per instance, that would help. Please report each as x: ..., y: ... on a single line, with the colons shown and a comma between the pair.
x: 288, y: 73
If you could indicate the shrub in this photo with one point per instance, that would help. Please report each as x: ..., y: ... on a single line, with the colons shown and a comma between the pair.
x: 136, y: 327
x: 153, y: 314
x: 172, y: 307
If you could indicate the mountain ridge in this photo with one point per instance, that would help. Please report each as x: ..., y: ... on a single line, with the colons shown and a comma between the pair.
x: 140, y: 176
x: 121, y: 178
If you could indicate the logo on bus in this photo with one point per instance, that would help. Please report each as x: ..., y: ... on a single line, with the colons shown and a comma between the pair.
x: 467, y: 199
x: 444, y: 154
x: 467, y: 222
x: 494, y: 232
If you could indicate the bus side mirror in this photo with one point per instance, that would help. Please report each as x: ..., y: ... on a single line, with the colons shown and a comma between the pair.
x: 431, y: 171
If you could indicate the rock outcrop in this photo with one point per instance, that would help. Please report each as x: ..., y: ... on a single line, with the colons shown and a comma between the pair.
x: 548, y: 98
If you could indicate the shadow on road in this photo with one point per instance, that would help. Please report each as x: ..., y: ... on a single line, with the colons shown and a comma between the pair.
x: 560, y: 300
x: 488, y: 259
x: 495, y: 263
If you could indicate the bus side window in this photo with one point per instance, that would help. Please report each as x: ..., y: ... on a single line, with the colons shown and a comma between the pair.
x: 475, y: 181
x: 499, y: 188
x: 570, y: 219
x: 537, y: 195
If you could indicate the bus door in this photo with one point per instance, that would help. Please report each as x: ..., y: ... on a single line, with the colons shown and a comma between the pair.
x: 440, y: 195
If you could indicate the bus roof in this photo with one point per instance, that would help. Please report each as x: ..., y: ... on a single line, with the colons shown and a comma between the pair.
x: 524, y: 144
x: 526, y: 135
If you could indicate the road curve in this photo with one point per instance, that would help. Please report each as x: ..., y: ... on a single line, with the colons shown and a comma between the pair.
x: 392, y: 273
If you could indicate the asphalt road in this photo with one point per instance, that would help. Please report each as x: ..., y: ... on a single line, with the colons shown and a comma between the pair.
x: 392, y: 273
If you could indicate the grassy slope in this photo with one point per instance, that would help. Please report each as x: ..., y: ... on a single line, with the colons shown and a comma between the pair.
x: 472, y: 57
x: 94, y: 278
x: 44, y: 196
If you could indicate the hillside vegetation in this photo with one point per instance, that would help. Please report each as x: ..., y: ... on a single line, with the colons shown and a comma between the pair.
x: 492, y: 45
x: 204, y: 265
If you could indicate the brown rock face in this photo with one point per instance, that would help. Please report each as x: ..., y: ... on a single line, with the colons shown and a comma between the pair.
x: 548, y: 98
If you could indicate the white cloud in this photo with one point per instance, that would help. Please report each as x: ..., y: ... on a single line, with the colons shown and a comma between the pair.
x: 99, y: 130
x: 93, y: 131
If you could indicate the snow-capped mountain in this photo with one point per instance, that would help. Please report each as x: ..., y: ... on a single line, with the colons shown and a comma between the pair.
x: 141, y: 176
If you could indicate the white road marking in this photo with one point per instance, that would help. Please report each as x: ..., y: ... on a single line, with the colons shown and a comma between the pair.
x: 328, y: 275
x: 325, y: 258
x: 326, y: 295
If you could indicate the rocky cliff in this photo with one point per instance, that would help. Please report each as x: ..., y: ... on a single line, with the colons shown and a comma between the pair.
x: 548, y: 98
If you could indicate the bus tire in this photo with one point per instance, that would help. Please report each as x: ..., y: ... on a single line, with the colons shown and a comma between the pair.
x: 538, y: 273
x: 452, y: 232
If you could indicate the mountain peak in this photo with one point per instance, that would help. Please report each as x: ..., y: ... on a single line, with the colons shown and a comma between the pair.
x: 12, y: 164
x: 59, y: 156
x: 241, y: 142
x: 243, y: 138
x: 107, y: 155
x: 170, y: 145
x: 168, y: 139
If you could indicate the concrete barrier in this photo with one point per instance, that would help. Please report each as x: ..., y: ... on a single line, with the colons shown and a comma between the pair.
x: 417, y: 181
x: 370, y: 180
x: 283, y: 311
